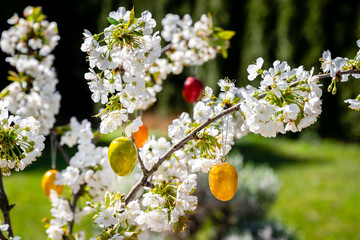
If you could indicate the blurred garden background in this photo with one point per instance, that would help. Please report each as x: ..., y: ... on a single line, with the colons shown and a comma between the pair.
x: 316, y: 194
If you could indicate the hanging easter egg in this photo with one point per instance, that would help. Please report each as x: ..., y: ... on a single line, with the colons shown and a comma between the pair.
x: 141, y: 136
x: 48, y: 182
x: 223, y: 181
x: 122, y: 156
x: 192, y: 89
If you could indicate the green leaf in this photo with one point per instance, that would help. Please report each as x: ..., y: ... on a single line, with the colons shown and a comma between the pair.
x: 202, y: 148
x: 213, y: 141
x: 224, y: 52
x: 38, y: 15
x: 138, y: 33
x: 131, y: 18
x: 218, y: 29
x: 211, y: 24
x: 226, y: 35
x: 13, y: 79
x: 112, y: 21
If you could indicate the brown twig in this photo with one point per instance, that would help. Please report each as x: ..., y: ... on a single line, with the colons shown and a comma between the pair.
x: 73, y: 208
x: 59, y: 147
x: 166, y: 48
x: 191, y: 135
x: 135, y: 189
x: 327, y: 75
x: 142, y: 182
x: 142, y: 166
x: 2, y: 237
x: 5, y: 208
x: 174, y: 148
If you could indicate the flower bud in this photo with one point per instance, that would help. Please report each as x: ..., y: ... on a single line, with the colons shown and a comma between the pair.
x: 334, y: 90
x: 330, y: 87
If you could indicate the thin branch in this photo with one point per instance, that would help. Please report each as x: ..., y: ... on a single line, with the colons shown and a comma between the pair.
x: 143, y: 168
x: 148, y: 184
x: 5, y: 208
x: 59, y: 147
x: 97, y: 136
x: 327, y: 75
x: 176, y: 147
x: 191, y: 135
x: 131, y: 195
x: 2, y: 237
x: 73, y: 208
x: 166, y: 48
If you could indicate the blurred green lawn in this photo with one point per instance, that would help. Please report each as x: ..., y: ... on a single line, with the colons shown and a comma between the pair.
x: 319, y: 198
x: 320, y: 195
x: 32, y: 205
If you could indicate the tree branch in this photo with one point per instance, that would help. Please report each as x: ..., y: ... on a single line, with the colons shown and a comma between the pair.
x: 327, y: 75
x: 135, y: 189
x: 191, y: 135
x: 5, y: 208
x: 142, y: 166
x: 174, y: 148
x: 73, y: 208
x: 166, y: 48
x: 2, y: 237
x: 59, y: 147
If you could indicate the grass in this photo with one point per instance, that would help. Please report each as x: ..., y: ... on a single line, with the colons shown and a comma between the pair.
x: 319, y: 198
x: 32, y: 206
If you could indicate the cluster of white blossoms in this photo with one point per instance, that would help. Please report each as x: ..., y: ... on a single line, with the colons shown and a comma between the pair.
x: 126, y: 72
x: 62, y: 214
x: 162, y: 208
x: 88, y: 172
x: 192, y: 45
x: 167, y: 203
x: 340, y: 69
x: 287, y: 99
x: 30, y: 35
x: 188, y: 45
x: 116, y: 224
x: 89, y: 166
x: 121, y: 54
x: 20, y: 141
x: 29, y: 43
